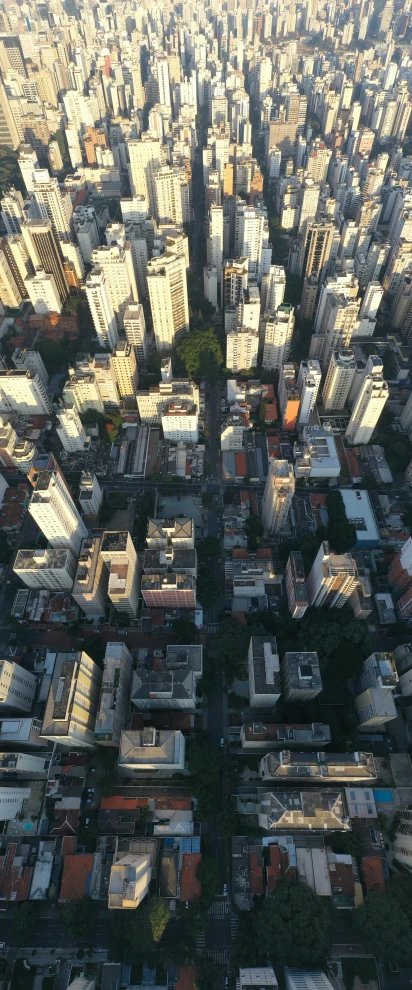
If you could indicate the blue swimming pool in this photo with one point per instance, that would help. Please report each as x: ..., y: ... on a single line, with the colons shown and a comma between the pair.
x: 383, y: 796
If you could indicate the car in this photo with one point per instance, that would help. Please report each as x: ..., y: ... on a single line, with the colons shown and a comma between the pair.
x: 87, y: 822
x: 222, y: 741
x: 89, y: 799
x: 2, y: 945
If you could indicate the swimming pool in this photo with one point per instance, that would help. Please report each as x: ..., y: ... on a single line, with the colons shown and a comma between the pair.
x: 384, y: 796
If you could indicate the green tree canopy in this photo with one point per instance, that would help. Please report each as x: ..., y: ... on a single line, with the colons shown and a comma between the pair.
x: 209, y: 875
x: 159, y: 916
x: 78, y: 916
x: 184, y: 631
x: 294, y: 925
x: 385, y: 927
x: 208, y: 975
x: 400, y: 888
x: 204, y: 765
x: 23, y: 923
x: 201, y: 353
x: 207, y: 548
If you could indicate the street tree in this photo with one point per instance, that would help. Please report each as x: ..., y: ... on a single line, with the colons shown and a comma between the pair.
x: 385, y: 927
x: 294, y: 925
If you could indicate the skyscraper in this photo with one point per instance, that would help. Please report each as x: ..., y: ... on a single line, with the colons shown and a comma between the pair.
x: 339, y: 378
x: 332, y: 578
x: 145, y: 157
x: 309, y: 379
x: 373, y: 395
x: 316, y: 249
x: 118, y: 552
x: 276, y: 330
x: 101, y: 308
x: 166, y: 280
x: 55, y: 513
x: 52, y: 203
x: 71, y: 430
x: 277, y: 497
x: 44, y: 252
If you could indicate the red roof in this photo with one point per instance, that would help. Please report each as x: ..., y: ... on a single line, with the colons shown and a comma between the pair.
x: 190, y: 886
x: 241, y: 466
x: 174, y: 804
x: 115, y: 803
x: 271, y: 412
x: 373, y: 875
x: 256, y: 873
x: 187, y: 978
x: 75, y: 873
x: 14, y: 879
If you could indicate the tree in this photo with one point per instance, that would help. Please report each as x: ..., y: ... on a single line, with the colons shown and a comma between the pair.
x: 23, y: 923
x: 208, y: 975
x: 204, y: 765
x: 78, y: 917
x: 53, y: 354
x: 294, y: 925
x: 159, y: 916
x: 384, y: 925
x: 207, y: 587
x: 184, y: 631
x: 400, y: 888
x: 209, y: 875
x: 350, y: 843
x: 207, y: 499
x: 201, y: 353
x: 341, y: 533
x: 207, y: 548
x: 5, y: 551
x: 254, y: 529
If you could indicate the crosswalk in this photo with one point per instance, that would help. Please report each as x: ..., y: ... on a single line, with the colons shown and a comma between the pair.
x: 218, y: 955
x: 201, y: 940
x: 234, y: 927
x: 212, y: 627
x: 219, y: 907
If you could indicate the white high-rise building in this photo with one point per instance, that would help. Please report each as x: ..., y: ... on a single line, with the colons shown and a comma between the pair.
x: 277, y: 497
x: 11, y: 288
x: 309, y: 379
x: 90, y: 494
x: 163, y: 80
x: 28, y: 163
x: 309, y: 203
x: 214, y: 241
x: 12, y: 212
x: 71, y: 707
x: 118, y: 552
x: 210, y: 285
x: 145, y: 157
x: 252, y: 240
x: 124, y: 364
x: 371, y: 301
x: 272, y: 291
x: 22, y: 391
x: 135, y: 330
x: 55, y: 513
x: 17, y: 687
x: 129, y: 879
x: 51, y: 569
x: 242, y: 347
x: 52, y: 204
x: 30, y: 360
x: 168, y: 195
x: 71, y: 431
x: 117, y: 264
x: 43, y: 293
x: 276, y: 331
x: 372, y: 398
x: 101, y: 308
x: 332, y: 578
x: 166, y: 280
x: 91, y: 579
x: 339, y: 378
x: 180, y: 421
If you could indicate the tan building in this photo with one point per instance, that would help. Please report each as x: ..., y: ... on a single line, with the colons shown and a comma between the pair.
x: 118, y: 552
x: 71, y: 708
x: 91, y: 579
x: 129, y: 881
x: 124, y: 364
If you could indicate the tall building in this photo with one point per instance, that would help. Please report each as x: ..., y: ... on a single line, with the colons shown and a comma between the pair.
x: 101, y: 308
x: 300, y: 676
x: 135, y: 330
x: 214, y: 241
x: 277, y: 497
x: 51, y: 569
x: 168, y: 195
x: 71, y: 707
x: 124, y: 364
x: 145, y: 157
x: 23, y: 392
x: 11, y: 289
x: 242, y: 347
x: 71, y: 431
x: 90, y: 494
x: 167, y: 284
x: 235, y: 280
x: 309, y: 379
x: 9, y: 133
x: 272, y: 291
x: 372, y: 398
x: 332, y: 578
x: 91, y: 579
x: 28, y: 163
x: 117, y: 265
x: 252, y: 240
x: 263, y: 672
x: 180, y: 421
x: 113, y: 707
x: 30, y: 360
x: 17, y: 687
x: 295, y: 584
x: 52, y: 204
x: 316, y: 249
x: 276, y: 331
x: 339, y: 379
x: 289, y: 396
x: 43, y: 293
x: 118, y: 552
x: 12, y: 212
x: 55, y: 513
x: 44, y: 252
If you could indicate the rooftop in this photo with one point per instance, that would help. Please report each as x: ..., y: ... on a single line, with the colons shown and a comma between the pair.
x: 263, y: 651
x: 302, y: 670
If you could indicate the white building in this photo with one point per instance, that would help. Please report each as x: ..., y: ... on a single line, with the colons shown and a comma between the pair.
x: 372, y: 398
x: 51, y: 569
x: 272, y: 291
x: 135, y: 330
x: 277, y: 497
x: 101, y: 307
x: 71, y: 707
x: 180, y: 421
x: 242, y: 347
x: 261, y: 977
x: 43, y: 293
x: 145, y: 157
x: 30, y: 360
x: 263, y: 672
x: 118, y: 552
x: 91, y: 579
x: 114, y: 695
x: 339, y: 379
x: 90, y: 494
x: 71, y: 431
x: 301, y: 979
x: 309, y: 379
x: 53, y: 204
x: 129, y: 881
x: 332, y: 578
x: 214, y: 241
x: 23, y: 392
x: 402, y: 846
x: 167, y: 195
x: 55, y: 513
x: 210, y: 283
x: 276, y: 332
x: 11, y: 801
x: 167, y: 285
x: 316, y: 455
x: 17, y: 687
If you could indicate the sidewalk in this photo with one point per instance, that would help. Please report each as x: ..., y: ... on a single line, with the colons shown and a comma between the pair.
x: 44, y: 957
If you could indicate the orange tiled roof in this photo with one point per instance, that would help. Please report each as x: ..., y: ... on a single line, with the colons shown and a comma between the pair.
x: 190, y: 886
x: 75, y: 871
